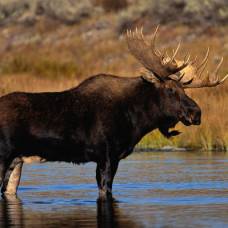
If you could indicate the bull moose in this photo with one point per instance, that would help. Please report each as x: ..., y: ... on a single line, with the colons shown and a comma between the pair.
x: 102, y: 119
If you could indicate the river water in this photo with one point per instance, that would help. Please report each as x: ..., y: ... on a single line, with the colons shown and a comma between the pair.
x: 151, y: 189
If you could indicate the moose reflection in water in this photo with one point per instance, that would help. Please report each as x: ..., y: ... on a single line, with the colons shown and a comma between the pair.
x: 103, y: 118
x: 107, y: 215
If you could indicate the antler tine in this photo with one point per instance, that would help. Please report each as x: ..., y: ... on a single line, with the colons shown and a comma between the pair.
x: 164, y: 61
x: 204, y: 67
x: 187, y: 58
x: 141, y: 33
x: 204, y: 60
x: 181, y: 76
x: 175, y: 52
x: 171, y: 59
x: 222, y: 80
x: 133, y: 34
x: 142, y: 36
x: 168, y: 60
x: 153, y: 41
x: 194, y: 60
x: 215, y: 73
x: 217, y: 69
x: 136, y: 32
x: 128, y: 34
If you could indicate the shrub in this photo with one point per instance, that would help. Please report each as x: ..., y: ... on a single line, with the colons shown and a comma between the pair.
x: 45, y: 67
x: 66, y: 11
x: 181, y: 11
x: 111, y: 5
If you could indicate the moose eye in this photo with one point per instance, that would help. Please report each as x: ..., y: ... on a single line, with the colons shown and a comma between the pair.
x: 171, y: 90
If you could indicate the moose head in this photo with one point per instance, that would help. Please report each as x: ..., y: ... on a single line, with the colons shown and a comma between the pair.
x: 171, y: 77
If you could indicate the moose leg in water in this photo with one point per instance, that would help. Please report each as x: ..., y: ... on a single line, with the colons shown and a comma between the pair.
x: 12, y: 177
x: 105, y: 173
x: 11, y: 212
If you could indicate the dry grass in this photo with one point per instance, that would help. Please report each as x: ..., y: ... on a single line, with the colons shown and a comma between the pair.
x: 64, y: 56
x: 28, y: 83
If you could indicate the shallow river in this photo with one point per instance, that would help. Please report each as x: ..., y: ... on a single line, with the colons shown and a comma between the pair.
x: 154, y: 189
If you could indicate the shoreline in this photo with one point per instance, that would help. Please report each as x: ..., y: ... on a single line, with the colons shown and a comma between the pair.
x: 175, y: 149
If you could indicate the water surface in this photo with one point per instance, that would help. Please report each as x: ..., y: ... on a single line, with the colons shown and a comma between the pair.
x: 154, y: 189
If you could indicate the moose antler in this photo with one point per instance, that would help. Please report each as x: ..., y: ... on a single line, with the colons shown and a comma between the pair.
x: 210, y: 80
x: 160, y: 64
x: 164, y: 67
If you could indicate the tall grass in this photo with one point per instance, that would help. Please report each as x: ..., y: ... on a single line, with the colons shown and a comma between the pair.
x: 44, y: 67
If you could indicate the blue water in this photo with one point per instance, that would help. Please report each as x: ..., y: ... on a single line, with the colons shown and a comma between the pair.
x: 154, y: 189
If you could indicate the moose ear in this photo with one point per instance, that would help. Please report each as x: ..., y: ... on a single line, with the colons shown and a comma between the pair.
x: 149, y: 77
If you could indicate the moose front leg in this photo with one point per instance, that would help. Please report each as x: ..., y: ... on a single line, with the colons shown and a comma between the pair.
x: 105, y: 174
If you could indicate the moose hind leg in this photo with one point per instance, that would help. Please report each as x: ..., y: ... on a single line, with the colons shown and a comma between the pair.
x: 12, y: 177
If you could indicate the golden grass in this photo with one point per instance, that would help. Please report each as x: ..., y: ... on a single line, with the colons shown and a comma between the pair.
x: 28, y: 83
x: 48, y: 65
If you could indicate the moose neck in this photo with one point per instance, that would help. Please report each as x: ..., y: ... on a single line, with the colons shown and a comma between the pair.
x: 144, y: 108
